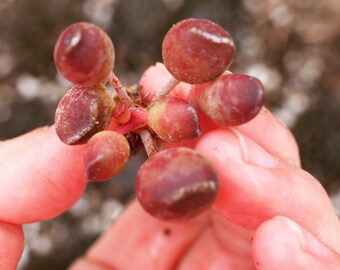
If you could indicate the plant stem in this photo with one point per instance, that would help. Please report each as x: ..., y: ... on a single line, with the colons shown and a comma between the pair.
x: 120, y: 90
x: 170, y: 84
x: 148, y: 142
x: 137, y: 120
x: 138, y: 117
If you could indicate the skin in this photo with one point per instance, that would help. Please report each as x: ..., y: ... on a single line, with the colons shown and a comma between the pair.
x: 270, y: 214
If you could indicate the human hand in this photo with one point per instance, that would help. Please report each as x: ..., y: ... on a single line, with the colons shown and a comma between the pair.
x: 284, y: 218
x: 270, y: 214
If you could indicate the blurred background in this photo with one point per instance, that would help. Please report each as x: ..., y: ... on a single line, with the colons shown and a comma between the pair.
x: 291, y: 46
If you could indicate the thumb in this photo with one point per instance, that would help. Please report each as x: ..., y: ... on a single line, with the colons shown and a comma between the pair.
x: 256, y: 186
x: 281, y: 244
x: 41, y: 177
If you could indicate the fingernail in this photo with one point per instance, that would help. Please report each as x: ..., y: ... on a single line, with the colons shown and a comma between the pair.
x: 289, y: 161
x: 253, y: 153
x: 308, y: 242
x: 293, y: 227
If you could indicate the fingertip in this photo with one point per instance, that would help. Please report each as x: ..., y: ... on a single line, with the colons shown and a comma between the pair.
x: 280, y: 243
x: 244, y: 169
x: 274, y: 242
x: 41, y: 176
x: 252, y: 191
x: 273, y: 135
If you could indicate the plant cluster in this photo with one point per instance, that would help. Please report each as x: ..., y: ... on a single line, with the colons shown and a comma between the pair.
x: 177, y: 182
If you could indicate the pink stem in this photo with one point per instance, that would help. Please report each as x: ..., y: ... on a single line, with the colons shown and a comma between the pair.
x: 120, y: 90
x: 138, y: 120
x: 148, y: 142
x: 167, y: 87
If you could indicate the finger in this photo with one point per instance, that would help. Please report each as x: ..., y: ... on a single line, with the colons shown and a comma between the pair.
x: 12, y: 243
x: 272, y: 135
x: 264, y: 129
x: 222, y: 246
x: 41, y: 177
x: 257, y: 186
x: 281, y: 244
x: 208, y: 253
x: 139, y: 241
x: 88, y: 264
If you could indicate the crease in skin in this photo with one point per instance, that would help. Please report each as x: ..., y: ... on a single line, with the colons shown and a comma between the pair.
x: 97, y: 263
x: 244, y: 236
x: 252, y: 153
x: 242, y: 144
x: 187, y: 249
x: 289, y: 161
x: 296, y: 229
x: 215, y: 251
x: 276, y: 136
